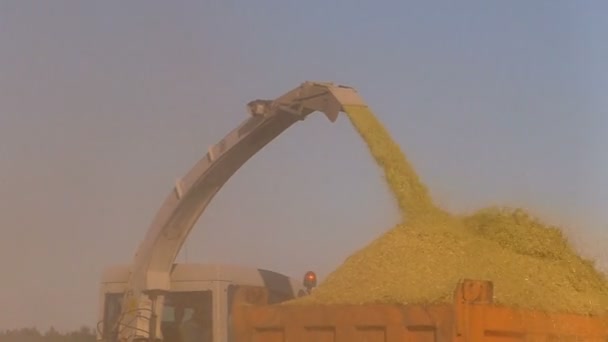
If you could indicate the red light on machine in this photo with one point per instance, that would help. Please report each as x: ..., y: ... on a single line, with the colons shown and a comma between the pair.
x: 310, y: 280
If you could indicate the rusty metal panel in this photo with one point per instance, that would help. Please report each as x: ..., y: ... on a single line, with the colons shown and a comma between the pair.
x: 268, y: 335
x: 343, y: 323
x: 471, y: 318
x: 529, y: 325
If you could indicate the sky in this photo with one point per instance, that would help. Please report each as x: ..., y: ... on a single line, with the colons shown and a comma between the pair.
x: 104, y: 104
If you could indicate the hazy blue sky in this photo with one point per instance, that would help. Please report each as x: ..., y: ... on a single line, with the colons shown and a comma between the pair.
x: 103, y: 104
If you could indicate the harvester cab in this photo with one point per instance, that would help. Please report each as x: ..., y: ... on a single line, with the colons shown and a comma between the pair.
x: 209, y: 291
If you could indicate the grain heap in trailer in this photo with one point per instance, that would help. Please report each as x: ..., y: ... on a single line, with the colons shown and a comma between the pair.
x: 497, y: 274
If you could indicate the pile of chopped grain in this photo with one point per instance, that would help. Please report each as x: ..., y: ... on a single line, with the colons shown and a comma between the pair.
x: 421, y: 260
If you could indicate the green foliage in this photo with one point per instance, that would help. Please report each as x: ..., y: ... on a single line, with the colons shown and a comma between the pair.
x: 84, y: 334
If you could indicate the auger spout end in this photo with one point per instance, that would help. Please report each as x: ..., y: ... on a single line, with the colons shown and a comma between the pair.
x: 309, y: 97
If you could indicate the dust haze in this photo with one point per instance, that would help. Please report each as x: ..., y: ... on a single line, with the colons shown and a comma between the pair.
x: 104, y: 105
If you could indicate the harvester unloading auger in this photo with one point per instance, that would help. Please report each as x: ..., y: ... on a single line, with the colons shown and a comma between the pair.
x: 149, y: 279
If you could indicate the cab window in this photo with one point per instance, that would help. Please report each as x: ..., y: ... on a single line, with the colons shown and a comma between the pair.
x: 188, y: 317
x: 112, y: 308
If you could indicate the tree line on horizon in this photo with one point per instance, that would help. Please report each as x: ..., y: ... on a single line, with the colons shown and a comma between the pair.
x: 84, y: 334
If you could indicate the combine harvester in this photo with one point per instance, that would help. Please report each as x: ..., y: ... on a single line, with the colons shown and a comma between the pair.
x: 150, y: 298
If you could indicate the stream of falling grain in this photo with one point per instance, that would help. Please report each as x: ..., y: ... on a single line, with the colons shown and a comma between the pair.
x: 421, y: 259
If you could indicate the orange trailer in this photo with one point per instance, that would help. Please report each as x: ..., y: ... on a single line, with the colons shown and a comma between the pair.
x: 472, y: 317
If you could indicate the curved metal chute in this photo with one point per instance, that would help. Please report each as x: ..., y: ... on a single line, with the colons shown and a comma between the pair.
x: 169, y: 230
